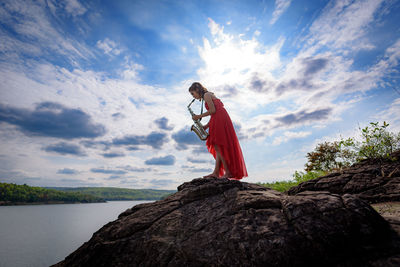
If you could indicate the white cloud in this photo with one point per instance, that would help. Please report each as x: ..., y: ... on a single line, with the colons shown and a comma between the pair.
x: 343, y: 25
x: 41, y: 36
x: 230, y: 60
x: 131, y: 70
x: 280, y: 8
x: 391, y: 116
x: 287, y: 135
x: 175, y: 33
x: 108, y: 46
x: 74, y: 7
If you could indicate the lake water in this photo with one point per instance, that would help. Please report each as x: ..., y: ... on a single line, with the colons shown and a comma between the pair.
x: 42, y: 235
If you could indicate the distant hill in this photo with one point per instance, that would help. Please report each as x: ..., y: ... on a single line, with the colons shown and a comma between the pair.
x: 115, y: 193
x: 13, y: 194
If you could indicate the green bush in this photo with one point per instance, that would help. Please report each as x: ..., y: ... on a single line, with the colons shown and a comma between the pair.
x: 376, y: 143
x: 280, y: 186
x: 300, y: 177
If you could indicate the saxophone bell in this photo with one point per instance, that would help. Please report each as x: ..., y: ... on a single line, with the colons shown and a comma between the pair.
x: 199, y: 130
x: 197, y: 127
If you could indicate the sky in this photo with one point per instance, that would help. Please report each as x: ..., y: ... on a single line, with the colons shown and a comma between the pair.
x: 95, y: 93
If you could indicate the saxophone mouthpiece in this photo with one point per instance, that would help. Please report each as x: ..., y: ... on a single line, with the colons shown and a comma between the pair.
x: 191, y: 102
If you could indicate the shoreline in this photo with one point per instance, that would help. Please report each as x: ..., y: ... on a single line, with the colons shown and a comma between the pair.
x: 9, y: 203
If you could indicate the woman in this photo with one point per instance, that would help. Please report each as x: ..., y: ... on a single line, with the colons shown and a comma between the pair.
x: 222, y: 141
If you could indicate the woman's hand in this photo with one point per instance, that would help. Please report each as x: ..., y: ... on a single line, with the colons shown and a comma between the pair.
x: 196, y: 117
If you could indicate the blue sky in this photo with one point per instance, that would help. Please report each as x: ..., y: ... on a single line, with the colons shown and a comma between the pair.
x: 95, y: 93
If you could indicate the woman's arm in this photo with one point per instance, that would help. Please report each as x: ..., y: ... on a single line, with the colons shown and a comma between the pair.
x: 211, y: 107
x: 210, y: 103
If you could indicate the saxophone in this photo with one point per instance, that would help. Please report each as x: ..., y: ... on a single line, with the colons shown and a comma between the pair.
x: 197, y: 127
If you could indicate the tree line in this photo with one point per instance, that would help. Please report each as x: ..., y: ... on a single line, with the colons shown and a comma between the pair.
x: 11, y: 193
x: 114, y: 193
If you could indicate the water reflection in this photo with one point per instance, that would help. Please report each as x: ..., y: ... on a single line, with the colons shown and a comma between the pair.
x: 42, y: 235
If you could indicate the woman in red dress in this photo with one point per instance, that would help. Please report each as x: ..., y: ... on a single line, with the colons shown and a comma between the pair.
x: 222, y: 141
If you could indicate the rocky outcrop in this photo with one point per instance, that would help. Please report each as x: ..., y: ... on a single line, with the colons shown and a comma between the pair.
x: 391, y: 212
x: 371, y: 180
x: 221, y: 222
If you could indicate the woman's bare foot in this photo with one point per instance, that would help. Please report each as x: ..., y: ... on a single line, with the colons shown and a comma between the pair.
x: 211, y: 175
x: 227, y: 175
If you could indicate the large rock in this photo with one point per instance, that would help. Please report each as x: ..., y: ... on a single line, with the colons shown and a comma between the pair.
x: 390, y: 211
x: 371, y: 180
x: 221, y: 222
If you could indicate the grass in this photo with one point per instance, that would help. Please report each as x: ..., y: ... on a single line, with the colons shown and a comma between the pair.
x: 299, y: 177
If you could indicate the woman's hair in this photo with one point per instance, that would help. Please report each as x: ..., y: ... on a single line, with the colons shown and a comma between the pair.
x: 196, y: 86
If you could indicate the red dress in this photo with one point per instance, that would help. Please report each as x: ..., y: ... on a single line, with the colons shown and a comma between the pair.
x: 222, y: 134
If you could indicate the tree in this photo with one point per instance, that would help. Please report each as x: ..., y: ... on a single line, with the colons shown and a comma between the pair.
x: 323, y: 158
x: 376, y: 143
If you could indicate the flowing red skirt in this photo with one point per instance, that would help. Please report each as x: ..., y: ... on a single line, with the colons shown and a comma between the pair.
x: 222, y: 134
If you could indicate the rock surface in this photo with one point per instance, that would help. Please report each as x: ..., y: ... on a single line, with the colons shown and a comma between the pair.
x: 221, y: 222
x: 391, y: 212
x: 370, y: 180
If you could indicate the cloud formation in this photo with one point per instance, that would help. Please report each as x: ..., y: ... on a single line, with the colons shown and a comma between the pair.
x: 154, y: 139
x: 107, y: 171
x: 53, y: 120
x: 37, y: 25
x: 289, y: 135
x: 280, y: 8
x: 108, y: 46
x: 184, y: 137
x: 67, y: 171
x: 163, y: 124
x: 136, y: 169
x: 65, y: 149
x: 303, y: 117
x: 113, y: 155
x: 166, y: 160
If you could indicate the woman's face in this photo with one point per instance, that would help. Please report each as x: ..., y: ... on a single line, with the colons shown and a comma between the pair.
x: 195, y: 94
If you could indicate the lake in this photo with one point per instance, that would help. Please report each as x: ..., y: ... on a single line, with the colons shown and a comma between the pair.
x: 42, y: 235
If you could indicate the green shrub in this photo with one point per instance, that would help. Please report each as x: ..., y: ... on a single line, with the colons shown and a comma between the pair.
x: 376, y: 143
x: 299, y: 177
x: 280, y: 186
